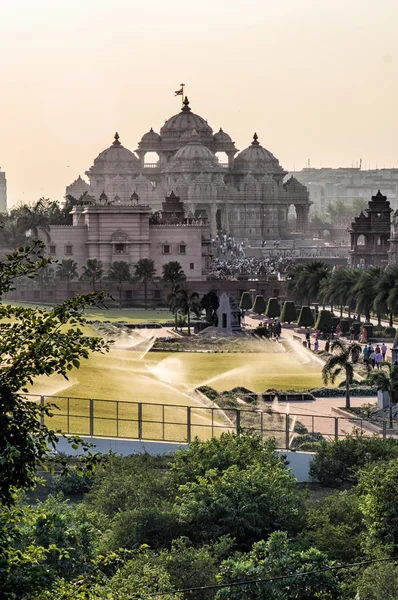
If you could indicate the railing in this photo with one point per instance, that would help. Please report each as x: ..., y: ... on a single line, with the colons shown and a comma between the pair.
x: 181, y: 424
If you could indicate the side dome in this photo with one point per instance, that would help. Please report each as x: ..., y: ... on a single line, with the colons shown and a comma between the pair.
x: 256, y: 159
x: 221, y: 136
x: 116, y: 158
x: 151, y: 137
x: 186, y: 120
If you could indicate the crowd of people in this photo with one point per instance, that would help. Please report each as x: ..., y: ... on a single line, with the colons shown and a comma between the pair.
x: 253, y: 268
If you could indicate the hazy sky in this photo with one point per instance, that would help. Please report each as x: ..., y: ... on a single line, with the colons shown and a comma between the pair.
x: 316, y: 79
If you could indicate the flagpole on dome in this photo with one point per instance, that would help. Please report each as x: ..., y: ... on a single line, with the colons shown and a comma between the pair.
x: 180, y: 92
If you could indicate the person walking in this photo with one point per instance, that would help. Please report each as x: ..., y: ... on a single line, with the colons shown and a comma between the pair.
x: 378, y: 359
x: 384, y: 350
x: 366, y: 355
x: 316, y: 345
x: 372, y: 358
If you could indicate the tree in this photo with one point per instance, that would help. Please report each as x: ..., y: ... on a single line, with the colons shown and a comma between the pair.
x: 385, y: 300
x: 245, y: 301
x: 306, y: 317
x: 377, y: 487
x: 277, y: 558
x: 187, y: 304
x: 145, y: 271
x: 119, y: 272
x: 366, y: 291
x: 93, y: 271
x: 273, y: 308
x: 378, y: 582
x: 34, y: 220
x: 259, y: 306
x: 44, y: 276
x: 33, y: 342
x: 386, y: 380
x: 210, y: 303
x: 173, y: 302
x: 289, y: 313
x: 67, y: 271
x: 324, y: 320
x: 344, y: 358
x: 173, y: 273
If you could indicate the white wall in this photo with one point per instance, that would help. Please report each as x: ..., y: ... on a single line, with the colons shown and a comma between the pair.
x: 299, y: 462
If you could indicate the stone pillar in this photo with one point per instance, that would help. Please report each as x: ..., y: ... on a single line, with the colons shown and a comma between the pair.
x: 299, y: 218
x: 212, y: 212
x: 305, y: 217
x: 231, y: 159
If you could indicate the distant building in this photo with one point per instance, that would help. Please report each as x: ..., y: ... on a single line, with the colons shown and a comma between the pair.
x: 327, y: 184
x: 370, y: 234
x: 3, y: 192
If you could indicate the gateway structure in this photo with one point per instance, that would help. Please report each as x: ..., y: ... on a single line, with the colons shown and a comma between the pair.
x: 245, y: 194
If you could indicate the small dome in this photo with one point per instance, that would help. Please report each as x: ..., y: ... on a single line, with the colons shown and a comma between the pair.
x: 151, y: 136
x: 116, y: 154
x: 195, y: 150
x: 221, y: 136
x: 255, y: 157
x: 185, y: 120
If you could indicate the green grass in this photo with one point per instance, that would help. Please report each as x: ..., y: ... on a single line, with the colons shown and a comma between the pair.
x: 131, y: 315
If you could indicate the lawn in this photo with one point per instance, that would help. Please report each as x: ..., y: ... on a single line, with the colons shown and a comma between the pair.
x: 131, y: 315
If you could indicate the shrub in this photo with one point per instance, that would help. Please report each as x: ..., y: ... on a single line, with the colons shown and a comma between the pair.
x: 72, y: 483
x: 245, y: 301
x: 300, y: 428
x: 324, y: 321
x: 345, y: 326
x: 339, y: 462
x: 306, y: 441
x: 208, y: 391
x: 259, y: 305
x: 289, y: 313
x: 273, y: 308
x: 261, y: 331
x: 335, y: 322
x: 306, y: 318
x: 369, y: 329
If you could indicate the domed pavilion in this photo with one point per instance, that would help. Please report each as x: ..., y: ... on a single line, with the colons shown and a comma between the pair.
x: 244, y: 194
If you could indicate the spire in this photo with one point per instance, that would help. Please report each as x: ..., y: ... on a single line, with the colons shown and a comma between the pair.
x: 186, y: 104
x: 116, y: 142
x: 255, y: 141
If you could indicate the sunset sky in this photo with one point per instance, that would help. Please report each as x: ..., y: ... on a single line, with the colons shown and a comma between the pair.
x: 316, y: 79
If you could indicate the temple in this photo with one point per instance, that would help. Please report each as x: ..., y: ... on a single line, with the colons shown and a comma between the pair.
x: 370, y: 234
x: 246, y: 195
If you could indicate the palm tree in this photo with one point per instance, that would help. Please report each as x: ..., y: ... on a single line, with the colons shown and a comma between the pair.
x: 296, y: 282
x: 67, y: 271
x: 316, y: 272
x: 189, y: 303
x: 119, y: 272
x: 386, y: 380
x: 210, y: 303
x: 345, y: 281
x: 144, y: 271
x: 34, y: 219
x: 342, y: 361
x: 383, y: 301
x: 173, y: 273
x: 173, y: 302
x: 366, y: 290
x: 45, y: 275
x: 93, y: 271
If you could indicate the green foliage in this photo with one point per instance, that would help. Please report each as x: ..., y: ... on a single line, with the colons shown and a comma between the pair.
x: 259, y: 305
x: 275, y: 558
x: 71, y: 483
x: 145, y: 271
x: 339, y: 461
x: 245, y: 301
x: 289, y: 313
x: 225, y: 496
x: 378, y: 582
x: 306, y: 317
x: 173, y: 273
x: 324, y: 321
x: 210, y: 304
x: 273, y: 308
x: 93, y: 271
x: 342, y: 361
x: 334, y: 526
x: 377, y: 487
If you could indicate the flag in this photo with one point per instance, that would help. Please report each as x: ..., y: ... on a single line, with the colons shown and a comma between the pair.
x: 179, y: 92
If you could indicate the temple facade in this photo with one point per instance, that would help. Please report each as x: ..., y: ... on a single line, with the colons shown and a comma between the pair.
x: 245, y: 195
x: 370, y: 234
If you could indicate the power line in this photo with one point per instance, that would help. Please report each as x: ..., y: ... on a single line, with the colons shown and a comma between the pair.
x: 266, y: 580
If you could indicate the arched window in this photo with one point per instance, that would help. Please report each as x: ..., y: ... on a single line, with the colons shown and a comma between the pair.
x: 361, y: 240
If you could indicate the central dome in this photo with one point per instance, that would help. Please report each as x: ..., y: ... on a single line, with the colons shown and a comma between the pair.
x: 185, y: 120
x: 195, y: 150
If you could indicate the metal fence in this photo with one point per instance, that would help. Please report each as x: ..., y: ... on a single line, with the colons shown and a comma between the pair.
x: 175, y: 423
